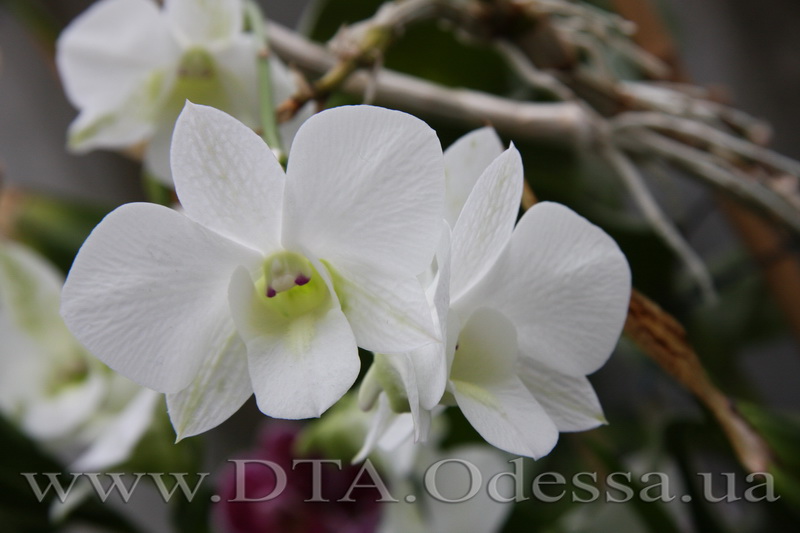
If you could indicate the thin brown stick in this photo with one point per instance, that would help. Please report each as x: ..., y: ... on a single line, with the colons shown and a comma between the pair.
x: 662, y: 338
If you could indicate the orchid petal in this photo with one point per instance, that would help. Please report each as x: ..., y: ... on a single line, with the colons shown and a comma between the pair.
x: 30, y: 295
x: 226, y: 178
x: 221, y: 387
x: 127, y: 122
x: 387, y: 432
x: 464, y: 162
x: 299, y: 367
x: 147, y: 294
x: 115, y: 445
x: 486, y: 222
x: 23, y: 368
x: 491, y: 396
x: 202, y: 22
x: 570, y: 401
x: 565, y: 284
x: 409, y: 370
x: 423, y: 371
x: 97, y: 54
x: 237, y: 63
x: 387, y: 314
x: 508, y: 417
x: 365, y: 186
x: 58, y: 415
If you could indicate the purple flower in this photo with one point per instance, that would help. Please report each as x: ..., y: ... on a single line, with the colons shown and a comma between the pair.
x: 247, y: 482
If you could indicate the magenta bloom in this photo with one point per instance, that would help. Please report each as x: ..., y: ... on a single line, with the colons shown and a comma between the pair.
x: 254, y: 498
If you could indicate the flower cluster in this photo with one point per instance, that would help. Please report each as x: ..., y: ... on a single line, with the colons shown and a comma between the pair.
x: 270, y: 281
x: 526, y: 312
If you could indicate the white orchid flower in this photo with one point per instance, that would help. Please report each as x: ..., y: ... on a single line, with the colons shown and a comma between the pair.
x: 532, y: 309
x: 129, y: 66
x: 50, y: 387
x: 268, y: 281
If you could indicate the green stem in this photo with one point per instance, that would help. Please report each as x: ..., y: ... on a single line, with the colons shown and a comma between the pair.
x: 269, y: 120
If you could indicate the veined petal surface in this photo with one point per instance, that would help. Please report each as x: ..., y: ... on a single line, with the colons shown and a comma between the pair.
x: 147, y: 294
x: 569, y: 400
x: 388, y: 314
x: 226, y: 177
x: 365, y: 185
x: 565, y: 284
x: 464, y: 162
x: 486, y: 222
x: 489, y: 393
x: 221, y: 387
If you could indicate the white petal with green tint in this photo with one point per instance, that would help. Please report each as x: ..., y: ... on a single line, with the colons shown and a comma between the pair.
x: 237, y: 65
x: 147, y: 294
x: 569, y: 400
x: 403, y: 380
x: 489, y: 393
x: 125, y: 124
x: 464, y: 162
x: 387, y: 313
x: 423, y: 372
x: 226, y: 177
x: 299, y: 366
x: 565, y: 284
x: 112, y: 48
x: 118, y: 440
x: 486, y: 222
x: 60, y: 413
x: 204, y: 21
x: 365, y: 186
x: 30, y: 295
x: 221, y: 387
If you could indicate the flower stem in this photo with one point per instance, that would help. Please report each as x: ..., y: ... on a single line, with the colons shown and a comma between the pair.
x: 269, y: 121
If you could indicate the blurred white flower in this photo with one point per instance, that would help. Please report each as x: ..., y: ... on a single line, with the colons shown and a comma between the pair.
x: 53, y: 390
x: 268, y: 281
x: 129, y: 66
x: 532, y: 309
x: 391, y: 445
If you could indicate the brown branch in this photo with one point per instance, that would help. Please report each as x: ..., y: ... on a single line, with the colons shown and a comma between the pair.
x: 662, y: 338
x: 659, y: 335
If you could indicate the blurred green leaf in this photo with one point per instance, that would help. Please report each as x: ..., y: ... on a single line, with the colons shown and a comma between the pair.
x: 56, y: 228
x: 20, y: 509
x: 782, y: 433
